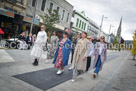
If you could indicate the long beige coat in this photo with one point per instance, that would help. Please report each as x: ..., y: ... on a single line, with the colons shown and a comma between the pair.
x: 79, y: 53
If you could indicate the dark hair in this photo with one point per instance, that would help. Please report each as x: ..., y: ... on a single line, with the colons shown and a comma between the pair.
x: 65, y: 33
x: 85, y: 33
x: 54, y: 32
x: 103, y: 37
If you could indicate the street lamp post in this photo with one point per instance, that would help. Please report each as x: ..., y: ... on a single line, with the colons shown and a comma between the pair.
x: 101, y: 24
x: 109, y: 31
x: 33, y: 16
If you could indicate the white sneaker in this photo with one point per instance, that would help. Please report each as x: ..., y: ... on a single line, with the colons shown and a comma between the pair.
x: 59, y: 72
x: 73, y: 80
x: 70, y: 68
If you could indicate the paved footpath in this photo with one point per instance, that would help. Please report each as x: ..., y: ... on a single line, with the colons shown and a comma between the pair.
x: 118, y: 74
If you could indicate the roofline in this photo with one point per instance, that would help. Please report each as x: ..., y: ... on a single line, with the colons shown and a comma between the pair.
x: 69, y: 3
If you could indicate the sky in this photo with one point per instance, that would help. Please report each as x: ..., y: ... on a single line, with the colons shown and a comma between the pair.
x: 113, y: 10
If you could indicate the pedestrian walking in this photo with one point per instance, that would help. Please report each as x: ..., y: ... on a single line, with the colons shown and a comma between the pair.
x: 100, y: 53
x: 90, y: 53
x: 39, y: 44
x: 80, y: 56
x: 62, y: 53
x: 73, y: 48
x: 52, y: 48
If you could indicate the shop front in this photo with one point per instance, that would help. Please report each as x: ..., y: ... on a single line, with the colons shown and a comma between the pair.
x: 13, y: 24
x: 6, y: 21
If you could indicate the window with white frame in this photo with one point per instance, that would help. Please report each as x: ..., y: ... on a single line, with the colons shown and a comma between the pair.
x: 43, y: 5
x: 63, y: 12
x: 67, y: 17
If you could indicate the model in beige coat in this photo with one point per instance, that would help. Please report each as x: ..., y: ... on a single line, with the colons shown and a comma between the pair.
x: 80, y: 56
x: 81, y: 53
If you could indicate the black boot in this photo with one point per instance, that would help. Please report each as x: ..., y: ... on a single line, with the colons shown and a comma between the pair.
x: 35, y: 63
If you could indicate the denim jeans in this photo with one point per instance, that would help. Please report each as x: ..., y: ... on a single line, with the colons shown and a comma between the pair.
x: 98, y: 65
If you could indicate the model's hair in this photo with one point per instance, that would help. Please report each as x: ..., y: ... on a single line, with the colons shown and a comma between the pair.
x: 103, y: 38
x: 65, y: 33
x: 43, y: 26
x: 84, y: 33
x: 55, y: 32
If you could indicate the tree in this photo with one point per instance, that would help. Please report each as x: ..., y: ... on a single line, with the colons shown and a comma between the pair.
x: 50, y: 19
x: 114, y: 41
x: 134, y: 46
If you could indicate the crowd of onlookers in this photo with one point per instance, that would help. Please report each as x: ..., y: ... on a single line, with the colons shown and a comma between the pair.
x: 26, y: 42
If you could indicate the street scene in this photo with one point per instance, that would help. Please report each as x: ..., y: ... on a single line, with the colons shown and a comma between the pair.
x: 67, y: 45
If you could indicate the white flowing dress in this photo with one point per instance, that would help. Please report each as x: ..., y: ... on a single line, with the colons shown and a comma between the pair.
x: 40, y: 42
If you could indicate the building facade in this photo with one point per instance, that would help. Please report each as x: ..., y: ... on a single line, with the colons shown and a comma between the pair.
x: 81, y: 23
x: 64, y: 9
x: 93, y: 29
x: 16, y: 6
x: 12, y: 16
x: 110, y: 38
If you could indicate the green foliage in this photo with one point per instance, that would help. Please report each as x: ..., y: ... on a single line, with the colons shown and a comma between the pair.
x: 49, y: 19
x: 133, y: 51
x: 114, y: 41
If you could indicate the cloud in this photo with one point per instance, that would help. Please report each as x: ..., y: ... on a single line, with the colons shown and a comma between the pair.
x: 112, y: 9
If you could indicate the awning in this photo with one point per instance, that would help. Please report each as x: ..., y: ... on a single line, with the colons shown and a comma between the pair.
x: 6, y: 13
x: 59, y: 27
x: 28, y: 19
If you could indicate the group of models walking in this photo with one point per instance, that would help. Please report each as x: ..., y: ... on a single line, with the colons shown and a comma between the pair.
x: 81, y: 49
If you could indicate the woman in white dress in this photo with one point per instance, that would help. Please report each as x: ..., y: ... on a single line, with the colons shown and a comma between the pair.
x: 38, y: 45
